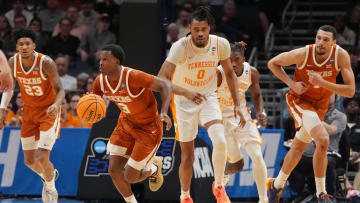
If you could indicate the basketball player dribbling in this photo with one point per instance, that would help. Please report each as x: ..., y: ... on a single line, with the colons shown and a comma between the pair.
x: 137, y: 136
x: 42, y: 93
x: 6, y: 80
x: 248, y: 136
x: 192, y: 63
x: 317, y: 66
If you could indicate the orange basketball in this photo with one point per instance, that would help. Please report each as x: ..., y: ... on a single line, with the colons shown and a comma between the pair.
x: 91, y: 108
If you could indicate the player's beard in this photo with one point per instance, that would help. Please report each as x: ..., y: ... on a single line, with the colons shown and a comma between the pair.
x: 200, y: 44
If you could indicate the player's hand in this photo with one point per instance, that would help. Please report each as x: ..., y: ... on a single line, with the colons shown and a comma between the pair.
x: 52, y: 111
x: 165, y: 118
x: 300, y: 87
x: 237, y: 112
x: 6, y: 82
x: 262, y: 118
x: 315, y: 78
x: 2, y: 117
x: 197, y: 98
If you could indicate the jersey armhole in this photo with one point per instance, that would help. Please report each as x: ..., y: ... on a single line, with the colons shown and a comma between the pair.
x: 306, y: 57
x: 127, y: 86
x: 336, y: 58
x: 41, y: 67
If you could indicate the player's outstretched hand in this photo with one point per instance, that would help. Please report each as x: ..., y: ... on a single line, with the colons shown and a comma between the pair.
x: 237, y: 112
x: 6, y: 82
x: 197, y: 98
x: 300, y: 87
x: 165, y: 118
x: 2, y: 117
x: 315, y: 78
x: 262, y: 118
x: 53, y: 110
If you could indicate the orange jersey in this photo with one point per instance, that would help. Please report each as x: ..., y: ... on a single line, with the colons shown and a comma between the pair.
x: 36, y: 90
x: 131, y: 94
x: 328, y: 70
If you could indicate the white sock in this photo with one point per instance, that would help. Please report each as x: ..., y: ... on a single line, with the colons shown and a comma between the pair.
x: 281, y: 180
x: 320, y: 185
x: 184, y: 194
x: 50, y: 185
x: 258, y: 168
x: 130, y: 199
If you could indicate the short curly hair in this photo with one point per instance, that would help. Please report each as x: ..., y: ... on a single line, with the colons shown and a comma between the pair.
x: 24, y: 33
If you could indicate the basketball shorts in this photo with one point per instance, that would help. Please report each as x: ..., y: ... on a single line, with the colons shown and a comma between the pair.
x: 237, y: 137
x: 38, y: 130
x: 138, y: 143
x: 188, y: 115
x: 297, y: 106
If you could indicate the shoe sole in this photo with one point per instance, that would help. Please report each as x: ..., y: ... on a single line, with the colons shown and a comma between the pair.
x: 159, y: 165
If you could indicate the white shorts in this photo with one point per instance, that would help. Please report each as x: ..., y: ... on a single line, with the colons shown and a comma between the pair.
x: 303, y: 135
x: 188, y: 115
x: 237, y: 137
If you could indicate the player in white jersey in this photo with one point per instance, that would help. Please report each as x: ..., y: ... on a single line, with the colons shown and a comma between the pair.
x: 247, y: 137
x: 6, y: 81
x: 192, y: 63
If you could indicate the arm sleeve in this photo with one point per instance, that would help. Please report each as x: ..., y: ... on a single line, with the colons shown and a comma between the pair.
x: 224, y: 47
x: 96, y: 87
x: 177, y: 52
x: 140, y: 79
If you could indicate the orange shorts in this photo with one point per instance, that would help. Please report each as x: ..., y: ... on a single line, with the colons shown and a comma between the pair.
x: 137, y: 142
x: 38, y: 130
x: 296, y: 105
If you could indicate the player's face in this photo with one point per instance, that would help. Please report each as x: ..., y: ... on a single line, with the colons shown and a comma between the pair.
x: 324, y: 41
x: 108, y: 63
x: 237, y: 60
x: 200, y: 31
x: 25, y: 46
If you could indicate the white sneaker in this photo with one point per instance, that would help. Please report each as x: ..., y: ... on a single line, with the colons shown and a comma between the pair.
x: 51, y: 197
x: 43, y: 193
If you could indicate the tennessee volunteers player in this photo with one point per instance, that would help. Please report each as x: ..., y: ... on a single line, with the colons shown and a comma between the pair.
x: 136, y: 138
x: 247, y: 137
x: 6, y: 81
x: 317, y: 66
x: 42, y: 93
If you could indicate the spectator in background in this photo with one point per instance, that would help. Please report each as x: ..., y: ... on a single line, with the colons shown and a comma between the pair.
x: 334, y: 123
x: 5, y: 30
x: 66, y: 117
x: 89, y: 85
x: 88, y: 16
x: 354, y: 21
x: 81, y: 81
x: 183, y: 23
x: 172, y: 36
x: 354, y: 58
x: 95, y: 39
x: 74, y: 116
x: 345, y: 36
x: 41, y: 38
x: 9, y: 46
x: 33, y: 7
x: 51, y: 16
x: 64, y: 43
x: 113, y: 9
x: 16, y: 118
x: 68, y: 81
x: 18, y: 9
x: 77, y: 29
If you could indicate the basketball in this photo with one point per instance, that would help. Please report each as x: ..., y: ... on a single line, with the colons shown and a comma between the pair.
x: 91, y: 108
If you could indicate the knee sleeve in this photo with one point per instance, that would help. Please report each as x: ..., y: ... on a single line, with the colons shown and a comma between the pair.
x: 216, y: 134
x: 310, y: 120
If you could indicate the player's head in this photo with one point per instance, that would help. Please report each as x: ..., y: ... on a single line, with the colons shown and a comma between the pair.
x: 110, y: 57
x: 237, y: 56
x: 25, y: 42
x: 325, y: 39
x: 200, y: 23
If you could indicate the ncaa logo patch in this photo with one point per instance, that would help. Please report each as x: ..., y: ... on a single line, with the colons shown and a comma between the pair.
x: 167, y: 152
x: 331, y: 60
x: 97, y: 163
x: 36, y: 67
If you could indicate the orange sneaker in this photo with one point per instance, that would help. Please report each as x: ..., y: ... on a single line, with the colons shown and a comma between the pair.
x: 186, y: 200
x: 220, y: 194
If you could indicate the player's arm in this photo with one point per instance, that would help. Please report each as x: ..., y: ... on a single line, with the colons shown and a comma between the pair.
x: 219, y: 77
x: 50, y: 71
x: 6, y: 96
x: 6, y: 78
x: 276, y: 64
x: 257, y: 97
x: 348, y: 88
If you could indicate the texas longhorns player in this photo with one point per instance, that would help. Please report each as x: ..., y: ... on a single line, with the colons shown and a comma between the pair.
x: 42, y: 93
x: 317, y: 66
x: 137, y: 136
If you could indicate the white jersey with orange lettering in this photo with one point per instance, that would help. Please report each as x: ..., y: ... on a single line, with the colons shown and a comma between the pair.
x: 196, y: 71
x: 233, y: 133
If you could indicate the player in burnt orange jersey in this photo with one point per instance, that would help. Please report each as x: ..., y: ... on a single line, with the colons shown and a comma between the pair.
x: 314, y: 82
x: 42, y: 93
x: 137, y: 136
x: 6, y: 81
